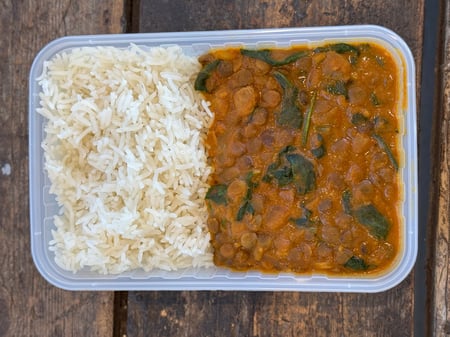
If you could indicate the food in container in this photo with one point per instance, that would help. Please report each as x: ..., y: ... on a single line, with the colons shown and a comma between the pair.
x: 44, y: 208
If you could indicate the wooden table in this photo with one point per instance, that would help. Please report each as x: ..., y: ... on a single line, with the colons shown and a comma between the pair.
x: 29, y: 306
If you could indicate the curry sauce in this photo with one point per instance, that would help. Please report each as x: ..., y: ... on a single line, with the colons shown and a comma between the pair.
x: 305, y: 156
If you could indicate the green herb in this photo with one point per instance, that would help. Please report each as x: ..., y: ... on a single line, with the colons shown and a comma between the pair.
x: 286, y: 149
x: 204, y: 74
x: 290, y: 112
x: 356, y: 263
x: 338, y: 88
x: 324, y: 128
x: 283, y: 175
x: 387, y: 150
x: 246, y: 206
x: 265, y: 55
x: 292, y: 168
x: 342, y: 48
x: 304, y: 220
x: 339, y: 48
x: 224, y: 224
x: 276, y: 170
x: 346, y: 201
x: 303, y: 173
x: 318, y: 152
x: 359, y: 119
x: 308, y: 119
x: 374, y: 99
x: 217, y: 194
x: 375, y: 222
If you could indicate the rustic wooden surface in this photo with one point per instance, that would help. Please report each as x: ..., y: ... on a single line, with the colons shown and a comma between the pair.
x: 441, y: 282
x: 29, y: 306
x: 278, y: 314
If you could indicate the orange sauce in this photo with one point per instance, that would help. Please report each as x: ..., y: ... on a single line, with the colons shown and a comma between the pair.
x: 304, y: 147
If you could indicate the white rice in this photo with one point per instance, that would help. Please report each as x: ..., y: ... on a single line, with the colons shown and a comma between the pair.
x: 125, y: 156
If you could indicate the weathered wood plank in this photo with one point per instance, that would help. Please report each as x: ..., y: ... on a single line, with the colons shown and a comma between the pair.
x: 441, y: 282
x: 278, y: 314
x: 268, y: 314
x: 179, y: 15
x: 29, y: 306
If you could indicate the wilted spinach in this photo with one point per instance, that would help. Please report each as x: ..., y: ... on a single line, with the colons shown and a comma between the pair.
x: 373, y: 220
x: 217, y: 194
x: 374, y: 99
x: 303, y: 173
x: 319, y: 151
x: 346, y: 201
x: 265, y: 55
x: 204, y: 74
x: 339, y: 48
x: 292, y: 168
x: 356, y: 263
x: 304, y: 220
x: 382, y: 144
x: 338, y: 87
x: 359, y: 119
x: 246, y: 206
x: 290, y: 112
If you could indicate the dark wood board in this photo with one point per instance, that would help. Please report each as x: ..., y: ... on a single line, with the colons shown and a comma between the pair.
x: 441, y: 279
x: 403, y: 16
x: 29, y: 306
x: 218, y: 313
x: 286, y: 314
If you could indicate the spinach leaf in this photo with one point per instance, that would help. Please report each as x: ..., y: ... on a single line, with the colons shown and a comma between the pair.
x: 356, y: 263
x: 283, y: 175
x: 308, y: 119
x: 217, y: 194
x: 276, y: 170
x: 246, y: 206
x: 290, y: 112
x: 265, y: 55
x: 387, y: 150
x: 338, y: 88
x: 359, y: 119
x: 342, y: 48
x: 304, y: 176
x: 204, y: 74
x: 304, y: 220
x: 292, y: 168
x: 374, y: 99
x: 339, y: 48
x: 375, y: 222
x: 346, y: 201
x: 318, y: 152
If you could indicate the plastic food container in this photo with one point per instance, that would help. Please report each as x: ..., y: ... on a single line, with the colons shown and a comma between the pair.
x: 43, y: 205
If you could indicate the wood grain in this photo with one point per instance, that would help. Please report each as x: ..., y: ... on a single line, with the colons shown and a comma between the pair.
x: 188, y: 15
x: 269, y: 314
x: 29, y: 306
x: 441, y: 282
x: 278, y: 314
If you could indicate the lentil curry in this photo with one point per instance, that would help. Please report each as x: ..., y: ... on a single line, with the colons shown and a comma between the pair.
x: 304, y: 150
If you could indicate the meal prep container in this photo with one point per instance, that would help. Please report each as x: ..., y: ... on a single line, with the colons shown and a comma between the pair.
x: 43, y: 205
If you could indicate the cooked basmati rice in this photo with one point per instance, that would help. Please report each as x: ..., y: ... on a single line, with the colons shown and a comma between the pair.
x: 125, y: 157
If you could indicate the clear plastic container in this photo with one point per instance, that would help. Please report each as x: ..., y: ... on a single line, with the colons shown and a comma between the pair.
x: 43, y: 205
